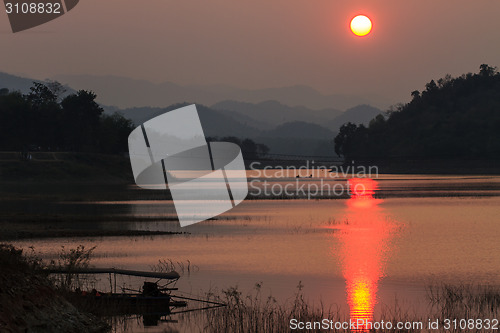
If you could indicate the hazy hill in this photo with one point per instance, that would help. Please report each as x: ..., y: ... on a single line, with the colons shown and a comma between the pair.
x: 214, y: 122
x: 219, y: 123
x: 300, y: 129
x: 280, y: 131
x: 13, y: 83
x: 296, y: 138
x: 125, y: 93
x: 274, y: 113
x: 299, y: 138
x: 361, y: 114
x: 22, y: 84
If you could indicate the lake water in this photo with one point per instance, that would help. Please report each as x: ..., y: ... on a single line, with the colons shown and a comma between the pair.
x: 363, y: 252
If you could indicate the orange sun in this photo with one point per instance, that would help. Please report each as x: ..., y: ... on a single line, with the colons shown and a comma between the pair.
x: 361, y: 25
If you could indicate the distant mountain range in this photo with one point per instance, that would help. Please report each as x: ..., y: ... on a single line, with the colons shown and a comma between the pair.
x: 274, y: 113
x: 125, y: 92
x: 285, y: 129
x: 22, y: 84
x: 13, y: 82
x: 269, y: 114
x: 280, y: 131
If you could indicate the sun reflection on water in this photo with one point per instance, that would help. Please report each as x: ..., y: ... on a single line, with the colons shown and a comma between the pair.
x: 364, y: 237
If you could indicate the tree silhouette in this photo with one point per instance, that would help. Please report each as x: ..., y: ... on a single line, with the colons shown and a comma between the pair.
x: 40, y: 121
x: 81, y: 120
x: 455, y: 118
x: 249, y: 148
x: 343, y: 139
x: 485, y: 70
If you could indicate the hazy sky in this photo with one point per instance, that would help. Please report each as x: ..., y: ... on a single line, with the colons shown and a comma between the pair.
x: 263, y: 43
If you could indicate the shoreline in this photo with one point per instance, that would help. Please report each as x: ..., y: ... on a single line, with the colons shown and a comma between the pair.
x: 32, y: 303
x: 19, y: 235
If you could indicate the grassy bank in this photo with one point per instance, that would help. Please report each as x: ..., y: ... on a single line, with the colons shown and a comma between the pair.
x: 29, y: 301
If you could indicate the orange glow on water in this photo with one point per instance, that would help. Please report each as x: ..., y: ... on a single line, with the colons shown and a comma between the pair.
x: 364, y: 244
x: 362, y: 191
x: 361, y: 300
x: 362, y: 188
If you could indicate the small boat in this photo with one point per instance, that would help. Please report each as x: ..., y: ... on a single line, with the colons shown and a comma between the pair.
x: 152, y: 299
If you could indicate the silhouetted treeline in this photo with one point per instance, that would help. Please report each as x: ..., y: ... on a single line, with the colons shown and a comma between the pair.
x: 44, y: 120
x: 249, y: 148
x: 451, y: 118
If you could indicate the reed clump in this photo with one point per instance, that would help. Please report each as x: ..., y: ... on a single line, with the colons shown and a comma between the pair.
x: 465, y: 301
x: 169, y: 265
x: 255, y: 313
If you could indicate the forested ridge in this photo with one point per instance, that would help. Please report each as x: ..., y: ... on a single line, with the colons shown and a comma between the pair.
x: 452, y: 118
x: 46, y: 120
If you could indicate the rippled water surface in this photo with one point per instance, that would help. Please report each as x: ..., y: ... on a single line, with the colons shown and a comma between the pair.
x: 359, y: 253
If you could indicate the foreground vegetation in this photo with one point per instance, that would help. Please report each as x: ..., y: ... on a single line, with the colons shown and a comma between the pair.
x: 33, y: 302
x: 446, y: 303
x: 30, y: 301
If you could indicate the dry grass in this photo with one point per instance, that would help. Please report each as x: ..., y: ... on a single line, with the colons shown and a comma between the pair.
x: 255, y: 313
